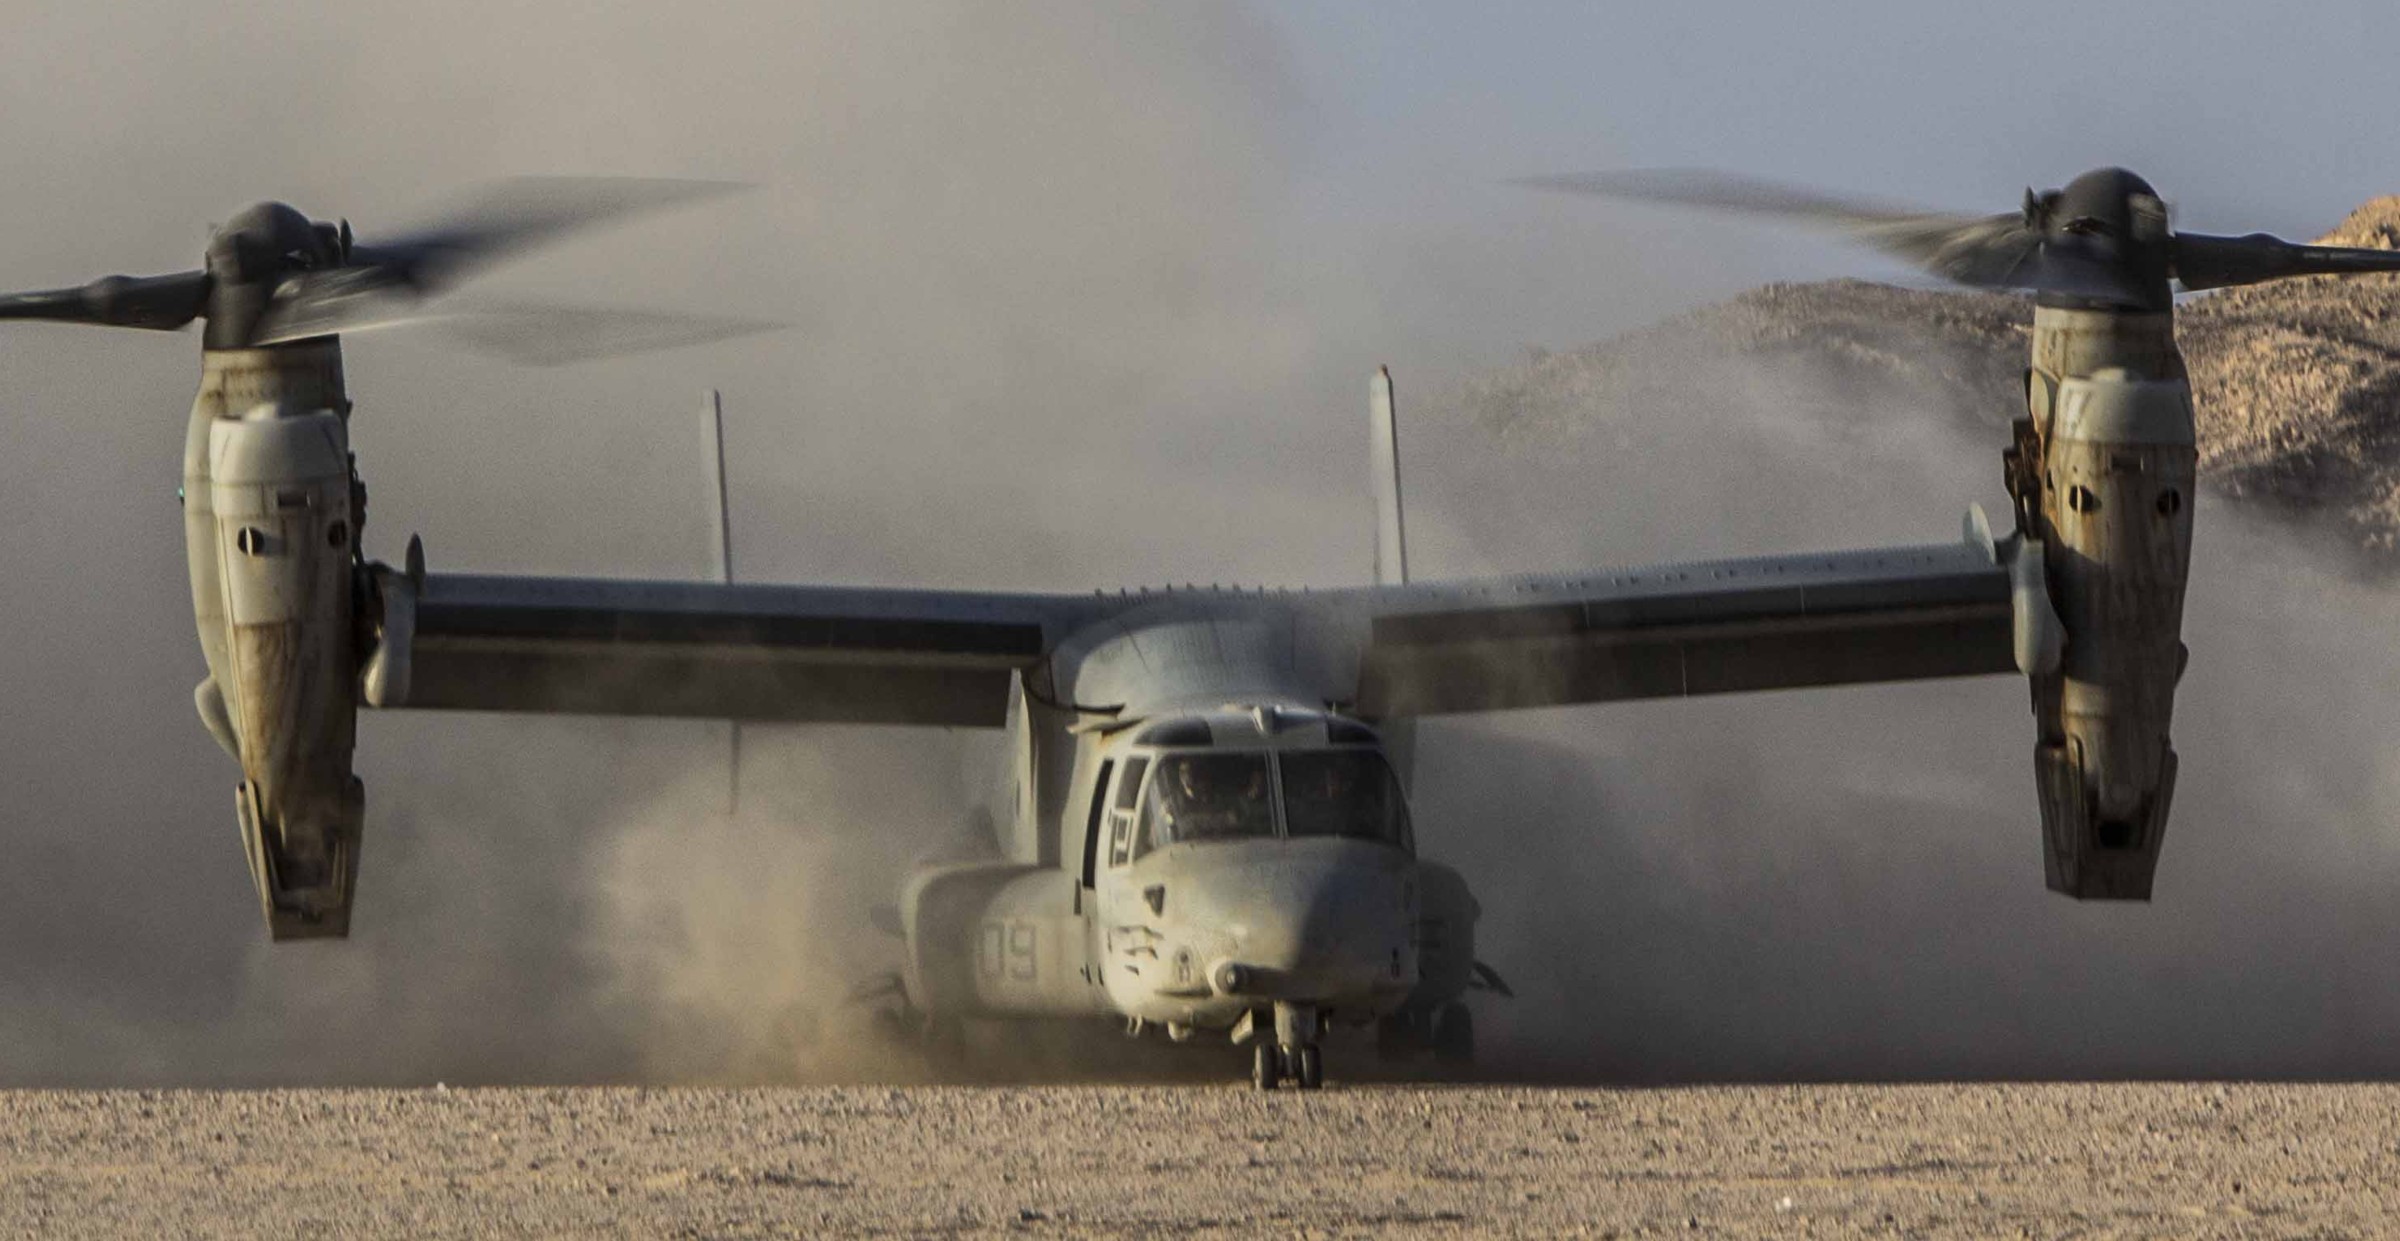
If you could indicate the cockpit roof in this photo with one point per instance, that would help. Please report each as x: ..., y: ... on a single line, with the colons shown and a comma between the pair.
x: 1260, y: 725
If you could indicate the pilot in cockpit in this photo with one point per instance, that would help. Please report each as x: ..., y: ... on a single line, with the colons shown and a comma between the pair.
x: 1213, y: 797
x: 1330, y: 783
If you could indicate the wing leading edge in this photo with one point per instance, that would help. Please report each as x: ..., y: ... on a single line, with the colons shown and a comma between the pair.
x: 801, y: 654
x: 1783, y: 622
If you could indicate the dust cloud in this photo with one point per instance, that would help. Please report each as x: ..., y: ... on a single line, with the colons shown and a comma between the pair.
x: 1068, y: 310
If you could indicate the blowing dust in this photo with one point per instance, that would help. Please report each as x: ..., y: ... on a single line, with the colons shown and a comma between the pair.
x: 746, y: 936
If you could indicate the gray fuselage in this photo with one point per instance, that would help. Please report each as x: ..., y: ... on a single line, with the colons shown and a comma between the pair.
x: 1194, y: 833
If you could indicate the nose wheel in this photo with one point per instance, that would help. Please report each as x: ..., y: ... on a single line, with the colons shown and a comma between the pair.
x: 1266, y: 1066
x: 1308, y: 1070
x: 1294, y: 1055
x: 1273, y: 1064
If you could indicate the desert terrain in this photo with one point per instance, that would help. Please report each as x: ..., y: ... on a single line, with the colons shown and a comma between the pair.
x: 2182, y: 1160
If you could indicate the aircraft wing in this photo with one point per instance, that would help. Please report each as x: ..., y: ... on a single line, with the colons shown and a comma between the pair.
x: 1779, y: 622
x: 792, y: 653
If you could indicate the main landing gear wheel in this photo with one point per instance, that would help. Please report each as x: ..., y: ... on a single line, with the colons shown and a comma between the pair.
x: 1266, y: 1066
x: 943, y: 1040
x: 1454, y: 1035
x: 1400, y: 1036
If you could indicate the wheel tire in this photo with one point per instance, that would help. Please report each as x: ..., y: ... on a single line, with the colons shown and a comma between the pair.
x: 1454, y: 1035
x: 944, y: 1040
x: 1266, y: 1067
x: 1310, y: 1072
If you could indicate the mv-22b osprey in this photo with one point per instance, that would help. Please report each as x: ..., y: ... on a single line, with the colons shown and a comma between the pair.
x: 1206, y: 828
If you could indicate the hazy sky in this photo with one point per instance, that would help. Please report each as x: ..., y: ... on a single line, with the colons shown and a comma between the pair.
x: 2249, y: 114
x: 1079, y: 295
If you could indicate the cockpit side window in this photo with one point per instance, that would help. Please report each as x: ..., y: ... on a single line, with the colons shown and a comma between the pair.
x: 1350, y: 793
x: 1091, y: 830
x: 1199, y: 797
x: 1129, y: 790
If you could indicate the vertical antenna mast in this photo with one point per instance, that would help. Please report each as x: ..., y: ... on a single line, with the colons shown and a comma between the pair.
x: 712, y: 427
x: 1391, y: 543
x: 1391, y: 527
x: 712, y: 419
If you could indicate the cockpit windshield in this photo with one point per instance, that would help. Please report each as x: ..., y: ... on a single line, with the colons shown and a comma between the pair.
x: 1208, y: 797
x: 1342, y: 793
x: 1348, y: 793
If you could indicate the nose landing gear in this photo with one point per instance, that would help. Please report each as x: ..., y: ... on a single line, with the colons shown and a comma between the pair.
x: 1293, y: 1056
x: 1273, y: 1064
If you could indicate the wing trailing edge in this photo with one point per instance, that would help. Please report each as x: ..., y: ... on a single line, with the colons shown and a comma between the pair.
x: 709, y: 650
x: 1896, y: 614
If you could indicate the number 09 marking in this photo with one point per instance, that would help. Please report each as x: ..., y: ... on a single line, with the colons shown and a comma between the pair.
x: 1009, y: 949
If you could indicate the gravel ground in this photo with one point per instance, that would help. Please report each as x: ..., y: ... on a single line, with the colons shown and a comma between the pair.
x: 1916, y: 1161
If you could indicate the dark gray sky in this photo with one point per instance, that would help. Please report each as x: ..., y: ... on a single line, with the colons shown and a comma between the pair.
x: 1080, y: 294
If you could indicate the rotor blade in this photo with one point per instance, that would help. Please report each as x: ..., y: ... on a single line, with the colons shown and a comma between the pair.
x: 1966, y: 248
x: 1993, y: 252
x: 160, y: 303
x: 2206, y: 262
x: 1727, y: 191
x: 380, y: 283
x: 539, y: 335
x: 509, y: 217
x: 336, y: 300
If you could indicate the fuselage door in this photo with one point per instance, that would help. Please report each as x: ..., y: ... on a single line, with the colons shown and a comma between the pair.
x: 1111, y: 829
x: 1091, y: 831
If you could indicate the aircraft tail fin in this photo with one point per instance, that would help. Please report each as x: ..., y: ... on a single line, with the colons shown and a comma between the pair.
x: 1391, y: 528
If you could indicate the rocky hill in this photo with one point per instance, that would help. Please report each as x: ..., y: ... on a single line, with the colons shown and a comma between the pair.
x: 2298, y: 382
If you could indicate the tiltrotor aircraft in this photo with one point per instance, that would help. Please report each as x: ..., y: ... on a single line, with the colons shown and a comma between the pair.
x: 1206, y: 827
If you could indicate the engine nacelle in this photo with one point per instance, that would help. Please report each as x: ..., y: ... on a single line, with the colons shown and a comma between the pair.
x: 272, y: 528
x: 2114, y: 524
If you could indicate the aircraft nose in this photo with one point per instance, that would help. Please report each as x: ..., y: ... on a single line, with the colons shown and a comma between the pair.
x: 1316, y: 929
